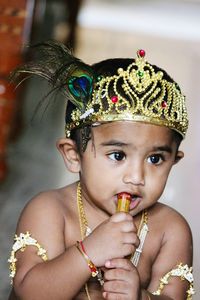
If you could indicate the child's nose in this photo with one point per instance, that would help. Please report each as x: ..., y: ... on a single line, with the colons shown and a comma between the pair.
x: 134, y: 174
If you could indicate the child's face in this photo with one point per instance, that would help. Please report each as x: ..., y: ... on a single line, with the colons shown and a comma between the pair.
x: 127, y: 157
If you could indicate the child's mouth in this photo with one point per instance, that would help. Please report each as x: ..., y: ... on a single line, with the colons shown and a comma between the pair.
x: 135, y: 200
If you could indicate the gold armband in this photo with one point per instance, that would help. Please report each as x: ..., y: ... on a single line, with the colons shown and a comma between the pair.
x: 21, y: 242
x: 182, y: 271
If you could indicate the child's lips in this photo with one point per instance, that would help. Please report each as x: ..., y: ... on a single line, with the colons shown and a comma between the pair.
x: 134, y: 202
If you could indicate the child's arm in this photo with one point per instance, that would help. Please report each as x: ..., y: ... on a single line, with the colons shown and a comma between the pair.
x: 176, y: 248
x: 65, y: 272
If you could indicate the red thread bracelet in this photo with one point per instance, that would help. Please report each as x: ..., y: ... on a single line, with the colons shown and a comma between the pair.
x: 82, y: 247
x: 90, y: 264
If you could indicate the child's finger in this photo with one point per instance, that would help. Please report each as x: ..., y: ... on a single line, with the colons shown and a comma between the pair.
x: 131, y: 238
x: 116, y: 287
x: 129, y: 226
x: 121, y: 216
x: 119, y: 263
x: 116, y: 269
x: 112, y: 296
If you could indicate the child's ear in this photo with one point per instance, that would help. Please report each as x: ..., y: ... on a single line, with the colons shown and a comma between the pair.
x: 179, y: 156
x: 68, y: 150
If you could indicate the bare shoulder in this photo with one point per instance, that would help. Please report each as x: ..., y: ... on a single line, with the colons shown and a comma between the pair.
x: 171, y: 222
x: 170, y: 235
x: 40, y: 208
x: 44, y: 217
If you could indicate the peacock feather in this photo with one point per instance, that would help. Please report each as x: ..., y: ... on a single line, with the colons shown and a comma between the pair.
x: 65, y: 73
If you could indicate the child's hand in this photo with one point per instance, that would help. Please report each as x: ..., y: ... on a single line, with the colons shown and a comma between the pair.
x: 114, y: 238
x: 121, y: 280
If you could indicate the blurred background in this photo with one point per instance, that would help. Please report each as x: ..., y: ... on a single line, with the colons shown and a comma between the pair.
x: 169, y: 31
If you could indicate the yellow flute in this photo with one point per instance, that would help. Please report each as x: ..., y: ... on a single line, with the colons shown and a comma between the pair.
x: 123, y: 202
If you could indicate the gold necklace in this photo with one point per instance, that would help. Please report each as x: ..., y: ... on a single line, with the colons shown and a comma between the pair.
x: 142, y: 231
x: 83, y: 224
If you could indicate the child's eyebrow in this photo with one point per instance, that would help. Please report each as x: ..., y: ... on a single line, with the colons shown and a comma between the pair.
x: 114, y: 143
x: 164, y: 148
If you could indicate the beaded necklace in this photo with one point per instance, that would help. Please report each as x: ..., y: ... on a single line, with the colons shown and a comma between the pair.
x: 85, y: 231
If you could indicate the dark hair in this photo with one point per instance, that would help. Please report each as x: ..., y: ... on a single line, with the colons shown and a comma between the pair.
x: 177, y: 138
x: 81, y: 137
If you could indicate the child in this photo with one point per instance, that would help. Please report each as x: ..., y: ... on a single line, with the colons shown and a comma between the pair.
x: 125, y: 120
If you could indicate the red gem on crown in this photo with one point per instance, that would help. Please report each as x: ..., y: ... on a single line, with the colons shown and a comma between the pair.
x: 114, y: 99
x: 141, y: 53
x: 164, y: 104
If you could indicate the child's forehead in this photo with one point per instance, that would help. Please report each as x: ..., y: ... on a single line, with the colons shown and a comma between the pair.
x: 132, y: 131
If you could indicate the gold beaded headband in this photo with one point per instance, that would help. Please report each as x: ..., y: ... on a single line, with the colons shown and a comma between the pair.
x: 138, y: 93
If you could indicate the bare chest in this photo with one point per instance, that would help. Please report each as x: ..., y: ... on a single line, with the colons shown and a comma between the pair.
x: 149, y: 252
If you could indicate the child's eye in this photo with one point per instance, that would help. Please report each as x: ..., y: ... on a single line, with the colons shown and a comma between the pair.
x: 155, y: 159
x: 117, y: 156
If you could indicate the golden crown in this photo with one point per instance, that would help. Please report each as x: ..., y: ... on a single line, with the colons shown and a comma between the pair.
x: 142, y: 93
